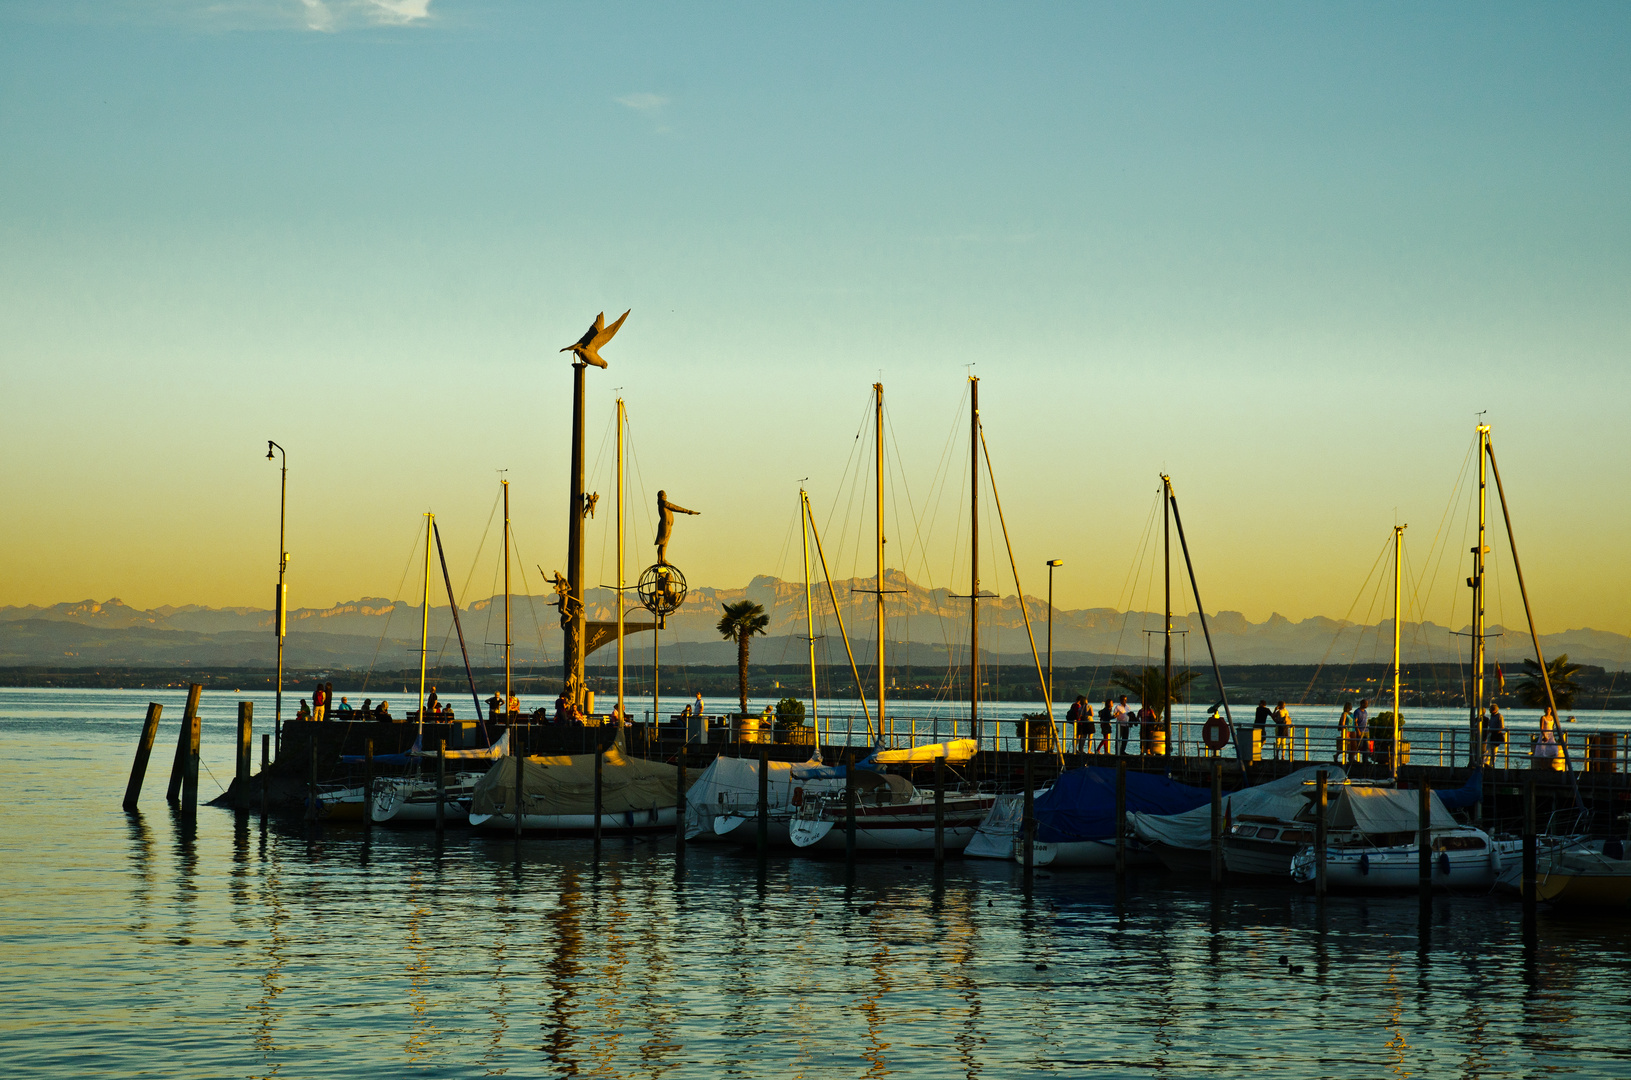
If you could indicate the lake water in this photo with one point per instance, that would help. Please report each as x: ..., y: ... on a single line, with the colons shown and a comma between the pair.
x: 144, y: 946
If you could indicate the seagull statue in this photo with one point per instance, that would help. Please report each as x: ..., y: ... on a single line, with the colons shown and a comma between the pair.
x: 587, y: 348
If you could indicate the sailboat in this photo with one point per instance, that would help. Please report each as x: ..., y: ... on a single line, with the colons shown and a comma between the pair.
x: 896, y: 816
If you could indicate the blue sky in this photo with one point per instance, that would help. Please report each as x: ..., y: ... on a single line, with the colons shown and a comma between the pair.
x: 1285, y: 252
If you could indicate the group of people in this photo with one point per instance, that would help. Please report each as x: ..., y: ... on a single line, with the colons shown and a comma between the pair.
x: 1117, y: 719
x: 1284, y: 733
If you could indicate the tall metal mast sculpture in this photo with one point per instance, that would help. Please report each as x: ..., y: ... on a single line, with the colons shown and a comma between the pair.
x: 585, y: 351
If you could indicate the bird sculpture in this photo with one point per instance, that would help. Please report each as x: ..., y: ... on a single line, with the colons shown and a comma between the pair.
x: 587, y: 348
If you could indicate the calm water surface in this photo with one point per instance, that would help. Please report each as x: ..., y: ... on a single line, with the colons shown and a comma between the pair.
x: 141, y: 946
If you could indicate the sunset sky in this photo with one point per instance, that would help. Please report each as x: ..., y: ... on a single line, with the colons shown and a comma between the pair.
x: 1284, y: 252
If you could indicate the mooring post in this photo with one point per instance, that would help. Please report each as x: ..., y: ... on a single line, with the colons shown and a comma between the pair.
x: 441, y: 787
x: 679, y: 809
x: 311, y: 776
x: 178, y: 768
x: 1027, y: 819
x: 266, y: 783
x: 1217, y: 821
x: 764, y: 800
x: 1530, y: 852
x: 849, y: 809
x: 246, y: 742
x: 367, y: 784
x: 600, y: 757
x: 1321, y: 833
x: 1121, y: 818
x: 189, y: 776
x: 1424, y: 838
x: 939, y: 809
x: 144, y: 750
x: 520, y: 779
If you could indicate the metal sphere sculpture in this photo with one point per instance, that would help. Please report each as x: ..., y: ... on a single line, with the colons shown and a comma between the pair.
x: 661, y: 589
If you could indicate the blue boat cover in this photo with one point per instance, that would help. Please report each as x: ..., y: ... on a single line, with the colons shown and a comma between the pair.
x: 1464, y: 796
x: 1081, y: 805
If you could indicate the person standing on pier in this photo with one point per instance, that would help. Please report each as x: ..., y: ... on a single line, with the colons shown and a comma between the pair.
x: 1345, y: 740
x: 1282, y: 731
x: 1124, y: 723
x: 1494, y: 734
x: 1107, y: 716
x: 1362, y: 741
x: 696, y: 706
x: 318, y: 701
x: 1078, y: 709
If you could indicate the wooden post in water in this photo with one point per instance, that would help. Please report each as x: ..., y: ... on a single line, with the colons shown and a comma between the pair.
x: 1217, y: 821
x: 1424, y: 838
x: 764, y: 800
x: 679, y: 808
x: 1027, y: 820
x: 178, y: 768
x: 600, y: 757
x: 849, y: 809
x: 1121, y: 817
x: 368, y: 784
x: 441, y: 786
x: 311, y: 777
x: 520, y: 779
x: 144, y: 750
x: 246, y: 740
x: 191, y: 731
x: 939, y: 809
x: 1321, y: 831
x: 1530, y: 854
x: 266, y: 783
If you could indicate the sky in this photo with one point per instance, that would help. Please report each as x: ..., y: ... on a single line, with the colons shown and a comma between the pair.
x: 1286, y: 253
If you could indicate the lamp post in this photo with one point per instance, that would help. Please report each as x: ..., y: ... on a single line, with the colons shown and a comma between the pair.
x: 1051, y: 564
x: 280, y: 615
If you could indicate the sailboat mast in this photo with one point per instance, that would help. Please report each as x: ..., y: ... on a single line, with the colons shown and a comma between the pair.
x: 1476, y: 718
x: 809, y: 613
x: 1166, y: 557
x: 878, y: 453
x: 974, y: 559
x: 424, y: 622
x: 507, y: 681
x: 620, y: 420
x: 1398, y: 566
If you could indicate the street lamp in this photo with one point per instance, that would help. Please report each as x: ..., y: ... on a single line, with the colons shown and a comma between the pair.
x: 282, y: 606
x: 1051, y: 564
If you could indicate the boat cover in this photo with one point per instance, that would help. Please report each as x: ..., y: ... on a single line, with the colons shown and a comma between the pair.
x: 566, y: 785
x: 1280, y: 799
x: 1081, y: 805
x: 408, y: 757
x: 994, y: 839
x: 499, y: 749
x: 1382, y: 810
x: 955, y: 752
x: 1464, y: 796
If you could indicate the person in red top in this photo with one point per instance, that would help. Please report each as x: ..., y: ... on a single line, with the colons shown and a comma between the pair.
x: 319, y: 702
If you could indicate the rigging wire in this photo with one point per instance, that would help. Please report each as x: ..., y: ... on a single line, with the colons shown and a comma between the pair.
x: 406, y: 568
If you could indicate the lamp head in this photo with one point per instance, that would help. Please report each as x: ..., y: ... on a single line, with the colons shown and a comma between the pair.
x: 1056, y: 562
x: 268, y: 449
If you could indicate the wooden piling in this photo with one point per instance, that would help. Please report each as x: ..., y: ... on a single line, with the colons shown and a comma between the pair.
x: 940, y: 809
x: 1321, y: 831
x: 679, y: 808
x: 764, y: 800
x: 144, y: 750
x: 1424, y: 838
x: 849, y: 808
x: 266, y: 783
x: 246, y: 742
x: 178, y: 768
x: 600, y: 758
x: 520, y: 779
x: 1217, y: 821
x: 441, y: 786
x: 1530, y: 847
x: 192, y: 732
x: 1027, y: 818
x: 1121, y: 818
x: 311, y: 779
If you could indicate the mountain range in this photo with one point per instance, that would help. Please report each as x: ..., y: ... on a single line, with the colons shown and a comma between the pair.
x: 925, y: 626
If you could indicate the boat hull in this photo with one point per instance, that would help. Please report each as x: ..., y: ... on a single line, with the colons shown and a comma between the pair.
x: 897, y: 827
x: 1099, y: 854
x: 1398, y: 868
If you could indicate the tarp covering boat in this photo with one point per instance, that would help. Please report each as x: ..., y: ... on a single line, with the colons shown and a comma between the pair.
x: 1081, y: 805
x: 994, y: 839
x: 566, y: 785
x: 730, y: 786
x: 1382, y: 810
x: 1280, y: 799
x: 1463, y: 797
x: 499, y: 749
x: 955, y: 751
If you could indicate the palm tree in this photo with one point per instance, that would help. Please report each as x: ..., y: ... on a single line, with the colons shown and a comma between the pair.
x: 1149, y: 685
x: 741, y: 621
x: 1531, y: 690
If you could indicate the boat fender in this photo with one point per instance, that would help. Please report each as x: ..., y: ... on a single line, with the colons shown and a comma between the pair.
x: 1495, y: 859
x: 1364, y: 863
x: 1444, y: 863
x: 798, y: 796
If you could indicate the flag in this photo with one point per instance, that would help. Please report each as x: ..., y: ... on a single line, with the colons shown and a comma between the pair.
x: 1500, y: 680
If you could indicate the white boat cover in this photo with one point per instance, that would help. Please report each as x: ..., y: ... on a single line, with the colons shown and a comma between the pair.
x: 1383, y: 810
x: 956, y: 751
x: 731, y: 786
x: 994, y: 839
x: 1192, y: 829
x: 566, y: 785
x: 499, y: 749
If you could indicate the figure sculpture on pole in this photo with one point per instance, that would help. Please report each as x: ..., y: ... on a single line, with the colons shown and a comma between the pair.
x: 665, y: 524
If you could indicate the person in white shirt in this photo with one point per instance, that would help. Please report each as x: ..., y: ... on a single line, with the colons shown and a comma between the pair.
x: 1124, y: 724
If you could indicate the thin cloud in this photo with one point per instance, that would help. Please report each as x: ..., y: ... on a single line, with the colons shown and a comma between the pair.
x: 321, y: 16
x: 644, y: 104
